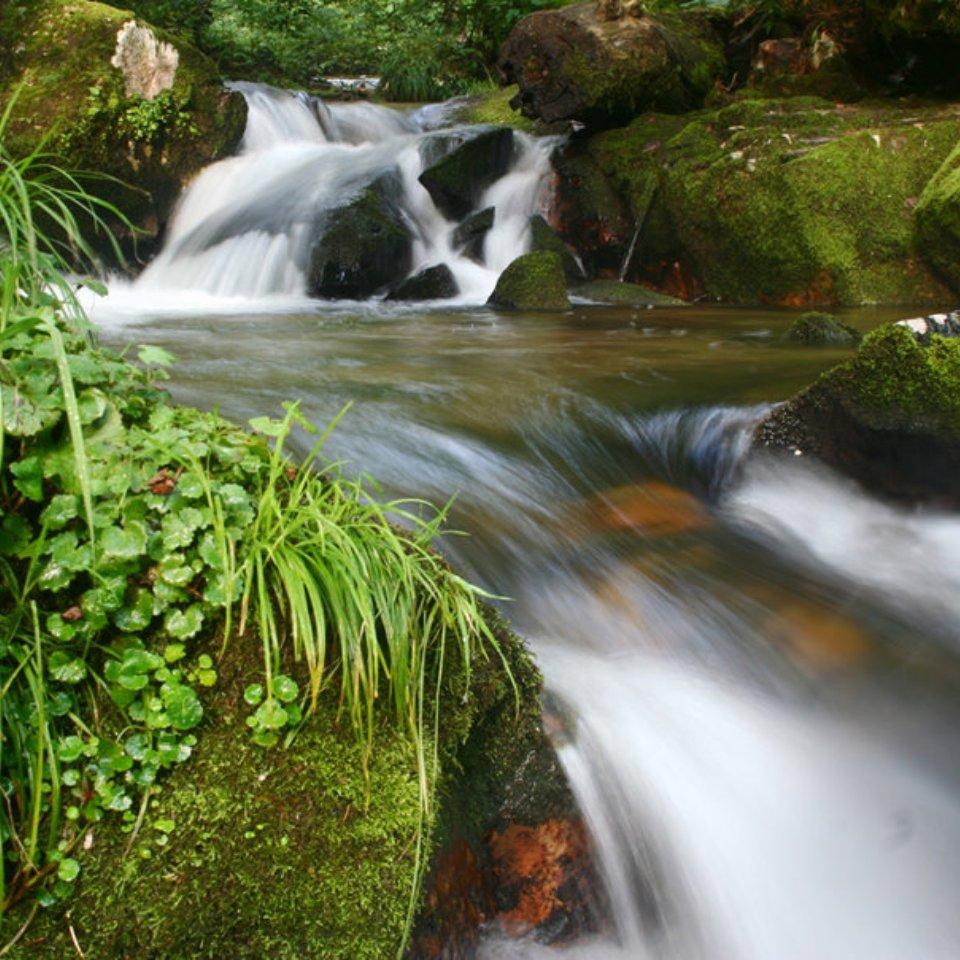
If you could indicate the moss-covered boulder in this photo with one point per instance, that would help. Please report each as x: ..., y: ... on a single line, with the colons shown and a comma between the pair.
x: 938, y: 220
x: 795, y: 202
x: 313, y: 851
x: 822, y: 329
x: 55, y: 59
x: 889, y: 418
x: 544, y: 237
x: 457, y: 181
x: 535, y: 281
x: 364, y: 247
x: 587, y: 64
x: 434, y: 283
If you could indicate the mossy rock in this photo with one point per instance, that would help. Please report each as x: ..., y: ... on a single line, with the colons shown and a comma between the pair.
x: 434, y: 283
x: 624, y: 294
x: 938, y: 220
x: 535, y: 281
x: 364, y: 247
x: 576, y: 64
x: 821, y: 329
x: 57, y: 63
x: 889, y: 418
x: 297, y: 853
x: 496, y: 107
x: 795, y: 202
x: 544, y: 237
x: 457, y: 181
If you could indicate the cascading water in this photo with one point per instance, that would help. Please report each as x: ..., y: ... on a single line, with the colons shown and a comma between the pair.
x: 757, y: 662
x: 244, y: 229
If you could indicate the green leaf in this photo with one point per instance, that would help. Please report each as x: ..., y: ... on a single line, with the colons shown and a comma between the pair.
x: 70, y: 749
x: 151, y: 356
x: 62, y: 508
x: 127, y: 543
x: 136, y: 616
x: 253, y: 694
x: 270, y: 716
x: 69, y: 870
x: 285, y: 689
x: 182, y: 705
x: 184, y: 624
x: 66, y: 669
x: 268, y: 427
x: 29, y: 478
x: 173, y: 652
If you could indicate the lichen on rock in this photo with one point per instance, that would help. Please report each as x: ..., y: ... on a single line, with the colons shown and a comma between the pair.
x: 149, y: 66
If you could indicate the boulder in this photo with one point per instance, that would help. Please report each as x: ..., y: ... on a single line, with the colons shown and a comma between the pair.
x: 458, y: 180
x: 91, y: 99
x: 804, y: 66
x: 544, y: 237
x: 602, y: 67
x: 364, y: 247
x: 938, y: 220
x: 889, y: 418
x: 312, y: 850
x: 434, y: 283
x: 822, y: 329
x: 471, y: 234
x: 534, y: 281
x: 798, y: 202
x: 624, y: 294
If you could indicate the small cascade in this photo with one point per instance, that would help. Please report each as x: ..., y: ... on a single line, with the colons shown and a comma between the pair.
x: 247, y: 225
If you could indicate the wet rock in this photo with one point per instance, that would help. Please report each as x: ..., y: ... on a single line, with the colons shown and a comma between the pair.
x: 802, y: 66
x: 602, y: 66
x: 534, y: 281
x: 625, y: 294
x: 796, y: 202
x: 938, y: 220
x: 889, y: 418
x: 822, y: 329
x: 469, y: 237
x: 544, y: 237
x: 434, y: 283
x: 364, y: 248
x: 458, y: 180
x: 72, y: 83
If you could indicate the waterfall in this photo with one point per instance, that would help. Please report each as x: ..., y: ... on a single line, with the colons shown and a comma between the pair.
x: 244, y: 229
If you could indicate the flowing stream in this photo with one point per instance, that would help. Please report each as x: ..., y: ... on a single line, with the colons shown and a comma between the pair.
x: 757, y: 663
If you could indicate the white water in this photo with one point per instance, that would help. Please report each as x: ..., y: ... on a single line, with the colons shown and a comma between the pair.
x: 243, y: 231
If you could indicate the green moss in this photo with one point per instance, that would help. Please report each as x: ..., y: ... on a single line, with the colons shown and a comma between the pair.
x: 493, y: 107
x: 792, y: 202
x: 821, y: 329
x: 534, y: 281
x: 938, y: 220
x: 629, y: 294
x: 70, y: 96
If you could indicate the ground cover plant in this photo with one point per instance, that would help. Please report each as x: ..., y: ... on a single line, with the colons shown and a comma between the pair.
x: 141, y: 541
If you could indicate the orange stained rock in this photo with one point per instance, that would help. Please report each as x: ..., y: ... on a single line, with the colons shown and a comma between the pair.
x: 535, y: 862
x: 655, y: 507
x: 821, y: 638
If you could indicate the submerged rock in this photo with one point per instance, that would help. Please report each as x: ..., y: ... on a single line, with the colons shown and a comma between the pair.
x: 603, y: 67
x: 889, y: 418
x: 822, y: 329
x: 434, y: 283
x: 534, y: 281
x: 627, y: 294
x: 795, y: 202
x: 938, y: 220
x: 458, y: 180
x: 471, y: 234
x: 72, y: 80
x: 364, y: 248
x: 544, y: 237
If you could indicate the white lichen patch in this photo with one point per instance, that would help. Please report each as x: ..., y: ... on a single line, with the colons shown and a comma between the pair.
x: 149, y: 66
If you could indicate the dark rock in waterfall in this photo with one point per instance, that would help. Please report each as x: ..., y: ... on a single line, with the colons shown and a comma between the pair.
x: 822, y: 329
x: 434, y: 283
x: 889, y: 418
x: 457, y: 181
x: 365, y: 247
x: 603, y: 66
x: 534, y: 281
x: 544, y: 237
x: 470, y: 235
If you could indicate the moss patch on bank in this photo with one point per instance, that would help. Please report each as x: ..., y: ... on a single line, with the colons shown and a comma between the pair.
x: 69, y: 97
x: 793, y: 202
